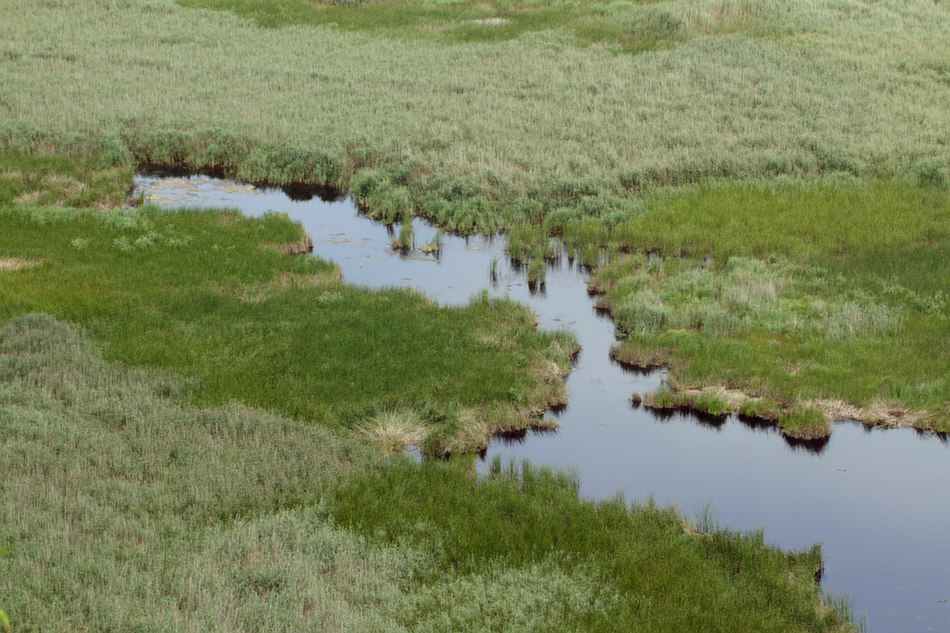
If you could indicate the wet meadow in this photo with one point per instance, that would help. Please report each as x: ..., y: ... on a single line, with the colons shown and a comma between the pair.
x: 198, y: 417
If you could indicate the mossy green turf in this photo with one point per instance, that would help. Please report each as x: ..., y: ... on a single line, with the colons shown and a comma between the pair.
x: 622, y: 26
x: 126, y: 510
x: 209, y: 294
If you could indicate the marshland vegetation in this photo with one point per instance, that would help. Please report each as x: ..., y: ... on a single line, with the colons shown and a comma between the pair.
x: 212, y: 295
x: 547, y: 121
x: 761, y: 188
x: 827, y: 296
x: 127, y: 509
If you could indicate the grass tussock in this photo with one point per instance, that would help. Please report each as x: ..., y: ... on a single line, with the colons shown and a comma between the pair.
x: 803, y: 420
x: 804, y: 423
x: 302, y: 246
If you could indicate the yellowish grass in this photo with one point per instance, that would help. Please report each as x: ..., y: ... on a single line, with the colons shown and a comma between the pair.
x: 395, y: 430
x: 10, y: 264
x: 260, y: 292
x: 27, y: 198
x: 718, y: 16
x: 65, y: 186
x: 889, y: 415
x: 733, y: 397
x: 479, y: 424
x: 895, y: 415
x: 302, y: 246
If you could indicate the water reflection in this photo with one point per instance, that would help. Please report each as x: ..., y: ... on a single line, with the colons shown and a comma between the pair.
x: 877, y: 500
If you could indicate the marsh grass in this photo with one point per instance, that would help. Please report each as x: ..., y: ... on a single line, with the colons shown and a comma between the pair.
x: 433, y: 245
x: 131, y: 510
x: 203, y: 293
x: 109, y: 484
x: 51, y: 180
x: 525, y: 129
x: 773, y: 290
x: 537, y: 271
x: 630, y: 27
x: 524, y: 514
x: 405, y: 239
x: 804, y: 423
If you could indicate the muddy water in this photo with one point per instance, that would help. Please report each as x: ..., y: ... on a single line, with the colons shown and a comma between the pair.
x: 877, y: 500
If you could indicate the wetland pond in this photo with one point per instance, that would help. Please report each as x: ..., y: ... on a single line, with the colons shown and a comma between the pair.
x: 877, y: 500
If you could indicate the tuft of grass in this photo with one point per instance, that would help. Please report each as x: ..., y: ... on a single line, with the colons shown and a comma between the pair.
x: 433, y: 245
x: 711, y: 403
x: 493, y: 271
x: 805, y: 423
x: 537, y: 271
x: 760, y: 409
x: 405, y: 240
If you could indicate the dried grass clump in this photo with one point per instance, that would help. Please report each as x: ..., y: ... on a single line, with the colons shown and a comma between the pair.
x: 259, y: 292
x: 802, y: 419
x: 302, y: 246
x: 894, y: 415
x: 10, y: 264
x: 395, y: 429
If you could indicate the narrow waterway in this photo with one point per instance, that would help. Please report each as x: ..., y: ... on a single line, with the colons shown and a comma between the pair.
x: 877, y: 500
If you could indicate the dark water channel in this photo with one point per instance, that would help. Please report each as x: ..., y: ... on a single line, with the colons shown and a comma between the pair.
x: 877, y: 500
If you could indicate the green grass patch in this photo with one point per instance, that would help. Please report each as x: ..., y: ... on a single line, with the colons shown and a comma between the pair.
x: 657, y: 573
x: 213, y: 295
x: 799, y: 220
x: 760, y: 409
x: 53, y: 180
x: 794, y: 292
x: 624, y: 27
x: 125, y: 509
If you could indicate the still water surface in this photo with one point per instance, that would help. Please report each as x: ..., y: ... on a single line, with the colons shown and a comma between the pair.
x: 877, y: 500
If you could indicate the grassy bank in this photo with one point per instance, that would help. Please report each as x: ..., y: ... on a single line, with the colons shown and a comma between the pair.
x: 126, y: 510
x: 830, y: 296
x: 215, y: 296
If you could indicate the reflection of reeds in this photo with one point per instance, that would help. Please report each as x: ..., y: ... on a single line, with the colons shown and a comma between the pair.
x: 493, y: 270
